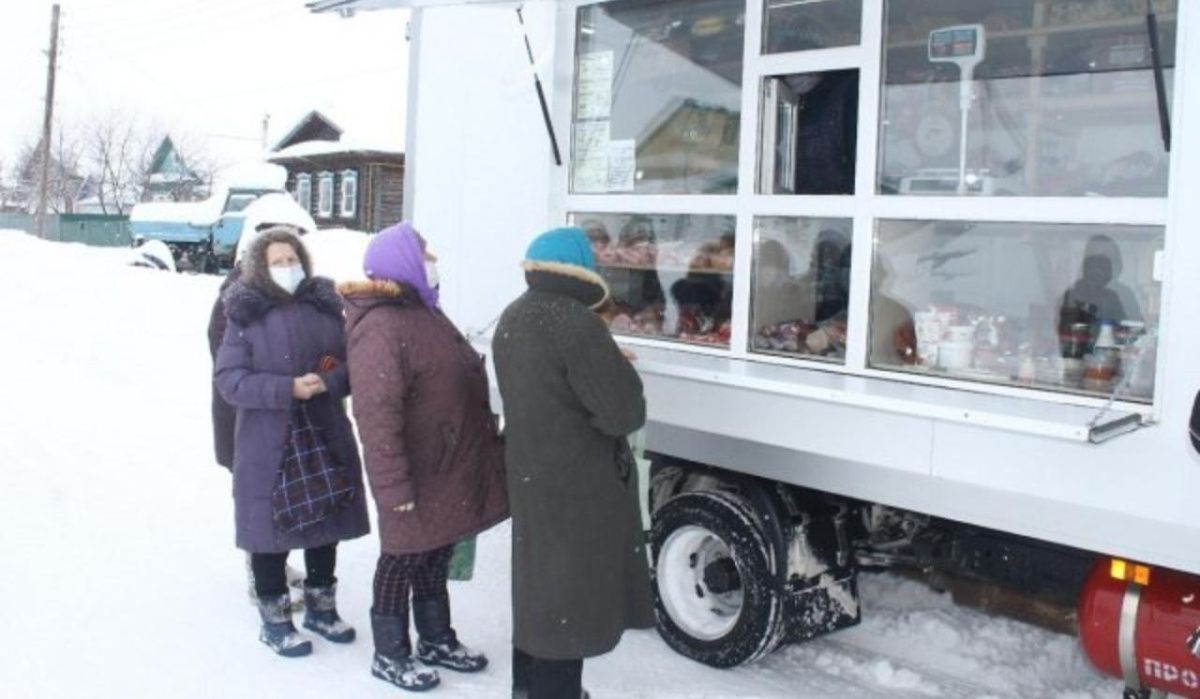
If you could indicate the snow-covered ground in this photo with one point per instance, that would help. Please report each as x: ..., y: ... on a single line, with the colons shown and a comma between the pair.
x: 120, y: 579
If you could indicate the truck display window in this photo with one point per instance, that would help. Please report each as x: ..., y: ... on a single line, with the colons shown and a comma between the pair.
x: 801, y: 288
x: 809, y: 133
x: 671, y: 276
x: 658, y: 94
x: 1064, y: 307
x: 1026, y: 98
x: 802, y: 25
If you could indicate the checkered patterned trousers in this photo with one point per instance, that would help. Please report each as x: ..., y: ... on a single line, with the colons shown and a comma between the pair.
x: 422, y: 574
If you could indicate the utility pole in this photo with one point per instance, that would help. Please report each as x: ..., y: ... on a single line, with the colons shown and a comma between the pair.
x: 44, y: 185
x: 266, y: 129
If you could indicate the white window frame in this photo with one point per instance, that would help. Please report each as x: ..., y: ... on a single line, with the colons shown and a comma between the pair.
x: 304, y: 191
x: 349, y: 204
x: 325, y: 195
x: 866, y: 207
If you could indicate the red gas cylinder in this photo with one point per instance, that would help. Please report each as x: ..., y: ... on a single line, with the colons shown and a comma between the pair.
x: 1142, y: 633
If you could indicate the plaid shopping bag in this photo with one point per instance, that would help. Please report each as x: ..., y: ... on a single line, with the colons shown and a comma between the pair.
x: 311, y: 485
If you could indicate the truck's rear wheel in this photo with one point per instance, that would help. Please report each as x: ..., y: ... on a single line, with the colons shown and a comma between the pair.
x: 714, y: 595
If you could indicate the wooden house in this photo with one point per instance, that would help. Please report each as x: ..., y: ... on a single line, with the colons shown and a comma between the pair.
x: 342, y: 183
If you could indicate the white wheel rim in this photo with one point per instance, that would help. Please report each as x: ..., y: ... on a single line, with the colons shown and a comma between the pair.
x: 695, y: 609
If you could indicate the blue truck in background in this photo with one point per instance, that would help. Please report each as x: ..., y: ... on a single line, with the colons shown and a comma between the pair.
x: 203, y: 236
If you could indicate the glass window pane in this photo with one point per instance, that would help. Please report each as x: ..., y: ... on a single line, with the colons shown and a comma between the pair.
x: 1024, y: 98
x: 800, y: 25
x: 809, y: 133
x: 238, y: 202
x: 658, y: 97
x: 1064, y: 307
x: 801, y: 291
x: 671, y: 276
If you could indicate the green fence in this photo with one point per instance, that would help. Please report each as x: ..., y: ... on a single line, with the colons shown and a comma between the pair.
x: 89, y: 229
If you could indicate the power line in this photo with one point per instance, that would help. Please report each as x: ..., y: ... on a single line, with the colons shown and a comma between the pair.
x: 176, y: 20
x: 159, y: 35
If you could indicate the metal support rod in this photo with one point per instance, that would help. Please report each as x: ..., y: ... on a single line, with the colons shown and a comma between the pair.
x: 1160, y: 86
x: 541, y: 93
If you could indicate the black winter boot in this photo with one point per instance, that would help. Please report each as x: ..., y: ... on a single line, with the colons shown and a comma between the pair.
x: 393, y: 662
x: 321, y: 616
x: 437, y: 643
x: 278, y: 632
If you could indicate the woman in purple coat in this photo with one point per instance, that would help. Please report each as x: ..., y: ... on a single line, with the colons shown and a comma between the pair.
x: 297, y: 477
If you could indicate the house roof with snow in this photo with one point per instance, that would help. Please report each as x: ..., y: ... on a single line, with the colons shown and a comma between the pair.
x: 317, y: 138
x: 167, y: 167
x: 313, y: 150
x: 315, y: 126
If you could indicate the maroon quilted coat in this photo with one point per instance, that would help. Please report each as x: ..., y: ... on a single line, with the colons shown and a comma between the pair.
x: 428, y: 433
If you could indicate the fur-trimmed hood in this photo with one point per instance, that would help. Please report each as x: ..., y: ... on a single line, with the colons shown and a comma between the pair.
x: 363, y: 296
x: 366, y: 290
x: 579, y: 283
x: 246, y: 302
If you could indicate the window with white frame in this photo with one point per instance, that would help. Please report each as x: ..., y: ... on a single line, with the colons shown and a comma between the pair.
x: 919, y: 169
x: 349, y: 207
x: 325, y: 195
x: 659, y: 97
x: 304, y: 191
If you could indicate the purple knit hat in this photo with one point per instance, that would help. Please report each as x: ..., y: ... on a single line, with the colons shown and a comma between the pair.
x: 395, y: 254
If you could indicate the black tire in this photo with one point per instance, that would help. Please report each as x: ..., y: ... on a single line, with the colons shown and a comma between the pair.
x: 759, y: 626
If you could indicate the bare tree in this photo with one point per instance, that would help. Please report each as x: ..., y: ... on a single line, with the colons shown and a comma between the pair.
x: 64, y: 174
x: 7, y: 192
x: 116, y: 153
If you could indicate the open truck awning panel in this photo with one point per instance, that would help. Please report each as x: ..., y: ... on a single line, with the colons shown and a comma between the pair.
x: 356, y: 5
x: 955, y: 405
x: 885, y: 397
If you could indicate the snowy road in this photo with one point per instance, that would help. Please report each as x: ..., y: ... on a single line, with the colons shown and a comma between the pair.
x: 120, y: 577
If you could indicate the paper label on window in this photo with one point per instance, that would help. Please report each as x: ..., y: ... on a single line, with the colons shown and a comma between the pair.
x: 594, y: 94
x: 590, y: 174
x: 622, y: 165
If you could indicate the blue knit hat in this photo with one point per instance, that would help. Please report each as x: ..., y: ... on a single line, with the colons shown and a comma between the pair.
x: 564, y: 246
x: 566, y: 252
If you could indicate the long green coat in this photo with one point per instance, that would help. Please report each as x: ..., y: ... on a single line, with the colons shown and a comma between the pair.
x: 580, y: 575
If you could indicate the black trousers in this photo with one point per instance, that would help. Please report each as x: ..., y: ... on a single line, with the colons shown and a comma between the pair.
x: 538, y: 678
x: 270, y: 570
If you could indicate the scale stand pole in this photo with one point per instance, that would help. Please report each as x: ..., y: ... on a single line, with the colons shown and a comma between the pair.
x: 964, y: 108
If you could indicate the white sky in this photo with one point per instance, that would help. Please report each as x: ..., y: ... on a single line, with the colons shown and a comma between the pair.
x: 209, y: 69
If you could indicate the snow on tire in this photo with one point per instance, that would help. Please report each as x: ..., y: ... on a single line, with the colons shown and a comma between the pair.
x: 713, y: 590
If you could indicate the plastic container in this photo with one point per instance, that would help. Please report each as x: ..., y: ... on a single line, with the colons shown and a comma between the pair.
x: 955, y: 355
x: 960, y: 334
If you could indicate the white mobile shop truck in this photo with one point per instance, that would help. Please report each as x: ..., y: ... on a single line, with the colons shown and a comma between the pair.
x: 912, y: 283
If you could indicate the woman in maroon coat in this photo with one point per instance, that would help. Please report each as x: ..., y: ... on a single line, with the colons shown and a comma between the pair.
x: 281, y: 364
x: 433, y: 456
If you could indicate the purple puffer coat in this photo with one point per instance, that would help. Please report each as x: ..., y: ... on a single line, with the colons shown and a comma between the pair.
x: 270, y: 340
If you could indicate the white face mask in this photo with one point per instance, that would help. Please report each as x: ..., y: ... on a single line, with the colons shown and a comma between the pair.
x: 431, y: 275
x: 287, y: 278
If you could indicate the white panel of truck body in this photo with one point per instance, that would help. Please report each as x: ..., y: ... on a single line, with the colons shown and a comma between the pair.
x: 485, y: 185
x: 482, y: 174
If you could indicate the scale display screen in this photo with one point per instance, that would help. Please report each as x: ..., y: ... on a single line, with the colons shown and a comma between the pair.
x: 954, y: 43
